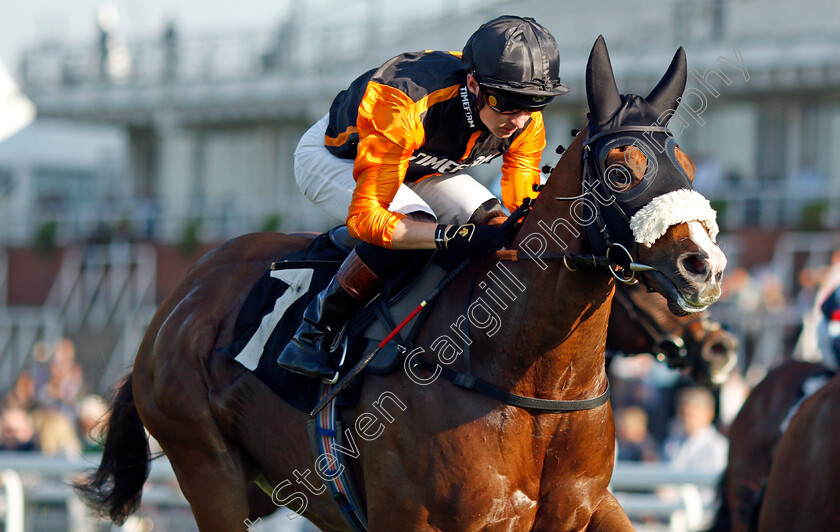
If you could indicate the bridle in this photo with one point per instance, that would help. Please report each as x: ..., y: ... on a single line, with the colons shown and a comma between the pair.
x: 668, y: 344
x: 608, y: 233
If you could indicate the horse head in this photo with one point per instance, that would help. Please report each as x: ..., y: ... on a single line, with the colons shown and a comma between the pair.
x: 696, y: 345
x: 716, y: 349
x: 647, y: 217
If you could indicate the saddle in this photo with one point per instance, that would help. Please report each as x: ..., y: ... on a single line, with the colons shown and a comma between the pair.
x: 274, y: 306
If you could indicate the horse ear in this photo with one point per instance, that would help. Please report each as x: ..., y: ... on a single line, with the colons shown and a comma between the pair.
x: 666, y: 95
x: 601, y: 92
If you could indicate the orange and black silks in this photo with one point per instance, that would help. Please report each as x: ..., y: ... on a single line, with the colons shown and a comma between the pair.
x: 414, y: 118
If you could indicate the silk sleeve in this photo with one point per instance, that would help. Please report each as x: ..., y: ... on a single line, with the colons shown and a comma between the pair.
x: 520, y: 164
x: 389, y: 133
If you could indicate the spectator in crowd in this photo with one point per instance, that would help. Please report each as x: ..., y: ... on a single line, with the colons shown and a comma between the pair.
x: 42, y: 353
x: 92, y: 411
x: 634, y: 441
x: 56, y: 433
x: 772, y: 292
x: 811, y: 299
x: 829, y: 278
x: 66, y: 381
x: 694, y: 442
x: 18, y: 430
x: 828, y: 330
x: 644, y: 382
x: 23, y: 392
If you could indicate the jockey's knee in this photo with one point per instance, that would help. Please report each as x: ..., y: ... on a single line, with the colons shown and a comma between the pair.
x: 385, y: 262
x: 485, y: 212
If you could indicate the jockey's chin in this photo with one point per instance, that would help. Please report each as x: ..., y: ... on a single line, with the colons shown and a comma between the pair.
x: 503, y: 125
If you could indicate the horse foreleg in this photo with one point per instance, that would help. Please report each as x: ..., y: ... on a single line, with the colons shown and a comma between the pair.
x: 609, y: 516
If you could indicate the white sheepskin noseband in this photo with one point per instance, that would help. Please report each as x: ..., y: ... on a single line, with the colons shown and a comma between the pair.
x: 673, y: 208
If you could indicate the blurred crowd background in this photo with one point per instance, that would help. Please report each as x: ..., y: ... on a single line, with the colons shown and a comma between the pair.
x: 134, y: 138
x: 49, y: 408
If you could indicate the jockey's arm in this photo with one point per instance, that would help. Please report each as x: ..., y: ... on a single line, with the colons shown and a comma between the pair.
x: 413, y: 234
x: 520, y: 165
x: 370, y: 221
x: 385, y: 147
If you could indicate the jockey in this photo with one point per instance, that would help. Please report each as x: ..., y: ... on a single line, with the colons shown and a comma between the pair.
x: 391, y: 154
x: 828, y: 330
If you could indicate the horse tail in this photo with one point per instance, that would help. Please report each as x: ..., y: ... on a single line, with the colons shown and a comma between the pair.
x: 114, y: 489
x: 722, y: 521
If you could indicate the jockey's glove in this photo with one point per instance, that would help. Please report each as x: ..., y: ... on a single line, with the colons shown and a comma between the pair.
x: 471, y: 238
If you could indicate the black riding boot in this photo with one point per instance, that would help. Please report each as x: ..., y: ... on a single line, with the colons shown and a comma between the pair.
x: 309, y: 352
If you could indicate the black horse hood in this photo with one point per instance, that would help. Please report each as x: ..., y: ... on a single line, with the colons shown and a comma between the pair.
x: 617, y: 120
x: 609, y: 109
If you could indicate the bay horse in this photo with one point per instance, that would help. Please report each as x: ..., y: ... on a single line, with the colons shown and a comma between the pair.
x: 640, y: 323
x: 448, y: 458
x: 754, y: 436
x: 803, y: 487
x: 697, y: 345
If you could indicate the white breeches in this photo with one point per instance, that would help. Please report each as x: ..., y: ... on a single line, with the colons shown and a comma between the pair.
x: 328, y: 182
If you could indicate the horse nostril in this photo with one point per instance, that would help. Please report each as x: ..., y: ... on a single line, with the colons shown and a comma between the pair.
x: 718, y: 348
x: 718, y: 277
x: 695, y: 265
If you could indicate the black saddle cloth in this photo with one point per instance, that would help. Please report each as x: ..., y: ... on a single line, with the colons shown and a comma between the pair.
x: 260, y: 333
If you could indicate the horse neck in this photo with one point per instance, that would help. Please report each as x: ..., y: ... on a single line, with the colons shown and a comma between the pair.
x: 624, y: 334
x: 555, y: 332
x: 564, y: 182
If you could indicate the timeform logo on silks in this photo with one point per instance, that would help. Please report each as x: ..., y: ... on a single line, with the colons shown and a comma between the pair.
x: 445, y: 165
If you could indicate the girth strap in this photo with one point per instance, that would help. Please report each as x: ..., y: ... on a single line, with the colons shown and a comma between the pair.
x: 326, y: 438
x: 471, y: 382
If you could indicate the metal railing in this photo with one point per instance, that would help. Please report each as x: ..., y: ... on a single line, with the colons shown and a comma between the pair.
x: 101, y: 284
x: 806, y: 207
x: 221, y: 218
x: 20, y: 330
x: 211, y: 220
x: 638, y: 488
x: 32, y: 479
x: 635, y: 485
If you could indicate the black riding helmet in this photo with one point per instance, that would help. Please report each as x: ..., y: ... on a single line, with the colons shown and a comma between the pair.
x: 518, y: 57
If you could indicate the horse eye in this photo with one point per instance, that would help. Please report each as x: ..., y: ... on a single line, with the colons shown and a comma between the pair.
x: 619, y: 178
x: 626, y: 166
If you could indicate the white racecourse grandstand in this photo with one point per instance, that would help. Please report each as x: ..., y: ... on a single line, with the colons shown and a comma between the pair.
x: 200, y: 131
x: 211, y: 121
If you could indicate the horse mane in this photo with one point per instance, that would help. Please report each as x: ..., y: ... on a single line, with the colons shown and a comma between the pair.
x: 564, y: 181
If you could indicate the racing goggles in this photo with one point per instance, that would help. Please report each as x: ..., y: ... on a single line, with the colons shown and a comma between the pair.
x: 508, y: 104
